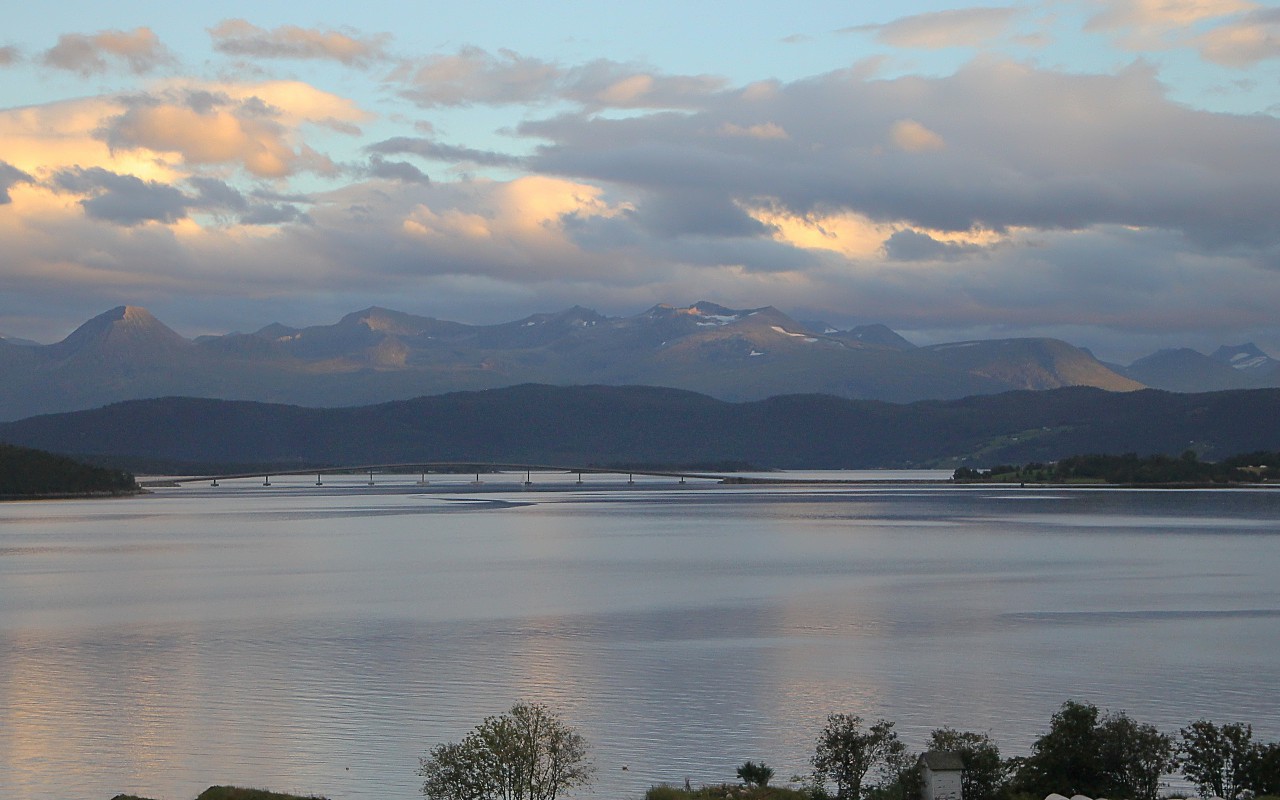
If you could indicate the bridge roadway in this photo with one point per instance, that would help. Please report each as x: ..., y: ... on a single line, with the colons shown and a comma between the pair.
x: 448, y: 467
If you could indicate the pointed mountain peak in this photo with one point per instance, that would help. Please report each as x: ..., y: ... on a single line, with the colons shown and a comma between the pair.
x: 121, y: 327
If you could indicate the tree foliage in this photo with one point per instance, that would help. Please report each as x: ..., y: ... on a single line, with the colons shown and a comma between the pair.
x: 526, y: 754
x: 1219, y: 759
x: 846, y: 753
x: 754, y: 774
x: 1065, y: 760
x: 984, y: 771
x: 1087, y: 753
x: 1133, y: 755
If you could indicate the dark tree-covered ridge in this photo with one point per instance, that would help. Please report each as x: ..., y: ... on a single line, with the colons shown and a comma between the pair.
x: 34, y: 473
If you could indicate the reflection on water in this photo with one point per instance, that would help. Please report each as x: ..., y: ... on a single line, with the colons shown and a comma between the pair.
x: 320, y: 639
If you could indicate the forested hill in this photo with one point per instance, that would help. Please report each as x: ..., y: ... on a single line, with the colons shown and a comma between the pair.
x: 35, y: 473
x: 603, y: 425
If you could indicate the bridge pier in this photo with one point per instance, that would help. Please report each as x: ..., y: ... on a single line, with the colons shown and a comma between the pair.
x: 215, y: 482
x: 318, y: 481
x: 370, y: 477
x: 631, y: 481
x: 266, y: 480
x: 528, y: 477
x: 579, y: 478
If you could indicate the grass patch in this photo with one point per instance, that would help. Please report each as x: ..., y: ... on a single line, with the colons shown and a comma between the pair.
x: 234, y: 793
x: 725, y: 791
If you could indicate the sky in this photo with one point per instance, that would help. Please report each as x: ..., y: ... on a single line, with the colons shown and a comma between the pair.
x: 1102, y: 171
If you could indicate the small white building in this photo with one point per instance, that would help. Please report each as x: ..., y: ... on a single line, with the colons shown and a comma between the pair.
x: 942, y: 771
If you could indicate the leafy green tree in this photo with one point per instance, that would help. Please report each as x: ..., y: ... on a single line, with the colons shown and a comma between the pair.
x: 1265, y: 775
x: 1067, y: 759
x: 526, y: 754
x: 846, y: 753
x: 753, y: 774
x: 1219, y: 760
x: 1133, y: 756
x: 984, y: 772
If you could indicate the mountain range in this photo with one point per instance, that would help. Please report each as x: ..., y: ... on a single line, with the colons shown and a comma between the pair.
x: 378, y: 355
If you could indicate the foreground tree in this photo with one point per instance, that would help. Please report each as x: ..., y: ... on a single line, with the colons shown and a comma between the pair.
x: 753, y: 774
x: 1134, y: 756
x: 526, y: 754
x: 1066, y: 760
x: 1219, y: 760
x: 984, y: 772
x: 847, y: 752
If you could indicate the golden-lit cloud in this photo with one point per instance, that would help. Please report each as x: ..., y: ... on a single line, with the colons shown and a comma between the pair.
x: 163, y: 134
x: 139, y: 49
x: 239, y: 37
x: 528, y: 212
x: 912, y: 137
x: 1244, y: 41
x: 858, y: 237
x: 764, y: 130
x: 1157, y: 24
x: 961, y: 27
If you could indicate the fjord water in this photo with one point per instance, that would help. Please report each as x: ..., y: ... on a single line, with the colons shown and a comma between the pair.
x: 319, y: 639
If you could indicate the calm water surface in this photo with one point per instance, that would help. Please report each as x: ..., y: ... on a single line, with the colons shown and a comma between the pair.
x: 319, y: 639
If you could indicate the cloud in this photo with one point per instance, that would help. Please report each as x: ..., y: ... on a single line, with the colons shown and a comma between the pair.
x: 762, y: 130
x: 140, y: 49
x: 912, y: 245
x: 123, y: 199
x: 964, y: 27
x: 238, y: 37
x: 10, y: 175
x: 9, y: 55
x: 431, y: 149
x: 1159, y: 24
x: 1024, y: 148
x: 912, y: 137
x: 396, y: 171
x: 1245, y: 41
x: 230, y: 125
x: 474, y: 76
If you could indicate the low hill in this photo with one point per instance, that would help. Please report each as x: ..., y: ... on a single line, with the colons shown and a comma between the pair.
x: 34, y: 473
x: 600, y: 425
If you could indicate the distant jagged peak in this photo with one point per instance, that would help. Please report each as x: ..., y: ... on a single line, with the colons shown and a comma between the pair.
x: 707, y: 313
x: 575, y: 316
x: 879, y: 334
x: 1243, y: 356
x: 276, y: 331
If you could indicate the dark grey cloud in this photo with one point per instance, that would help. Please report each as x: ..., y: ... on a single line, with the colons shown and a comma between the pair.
x: 241, y: 38
x: 212, y: 193
x: 10, y: 175
x: 123, y: 199
x: 401, y: 171
x: 139, y: 49
x: 436, y: 151
x: 1012, y: 147
x: 910, y: 245
x: 266, y: 214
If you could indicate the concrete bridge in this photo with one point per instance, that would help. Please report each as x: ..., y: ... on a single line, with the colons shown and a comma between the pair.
x: 478, y: 468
